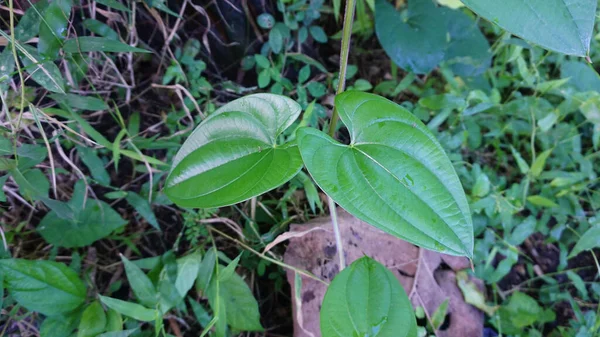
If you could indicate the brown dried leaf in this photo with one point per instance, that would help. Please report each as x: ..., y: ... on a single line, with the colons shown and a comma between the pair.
x: 421, y: 272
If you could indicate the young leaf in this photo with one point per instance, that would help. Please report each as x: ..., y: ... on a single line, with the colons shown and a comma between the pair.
x: 538, y: 200
x: 93, y: 321
x: 558, y: 25
x: 472, y: 294
x: 366, y: 299
x: 86, y: 44
x: 589, y: 240
x: 129, y: 309
x: 141, y: 285
x: 538, y: 165
x: 438, y: 317
x: 394, y: 174
x: 226, y: 272
x: 416, y: 45
x: 523, y: 166
x: 233, y: 155
x: 47, y: 287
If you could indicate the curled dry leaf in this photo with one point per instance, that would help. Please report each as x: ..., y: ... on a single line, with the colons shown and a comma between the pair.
x: 428, y: 277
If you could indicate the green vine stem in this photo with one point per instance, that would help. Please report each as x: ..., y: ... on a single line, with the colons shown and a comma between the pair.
x: 346, y: 34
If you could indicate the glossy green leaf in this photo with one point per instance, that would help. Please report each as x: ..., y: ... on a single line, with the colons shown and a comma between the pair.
x: 234, y: 155
x: 44, y: 73
x: 366, y: 299
x: 86, y: 44
x: 589, y: 240
x: 241, y: 308
x: 415, y: 42
x: 394, y: 174
x: 141, y: 285
x: 129, y: 309
x: 47, y: 287
x: 558, y: 25
x: 93, y: 321
x: 53, y: 28
x: 88, y: 224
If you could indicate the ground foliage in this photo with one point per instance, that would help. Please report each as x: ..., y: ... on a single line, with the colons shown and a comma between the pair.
x: 98, y: 96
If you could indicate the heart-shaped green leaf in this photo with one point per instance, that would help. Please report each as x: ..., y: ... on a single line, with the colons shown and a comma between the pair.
x: 468, y: 51
x: 559, y: 25
x: 415, y: 42
x: 366, y: 299
x: 394, y: 175
x: 233, y: 155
